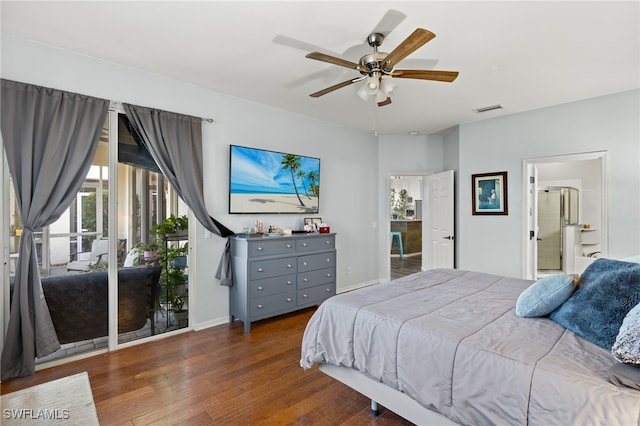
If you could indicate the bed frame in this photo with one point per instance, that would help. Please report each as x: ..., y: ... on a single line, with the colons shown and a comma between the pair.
x: 394, y: 400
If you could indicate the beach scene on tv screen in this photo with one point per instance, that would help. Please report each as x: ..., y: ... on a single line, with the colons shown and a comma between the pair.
x: 273, y: 182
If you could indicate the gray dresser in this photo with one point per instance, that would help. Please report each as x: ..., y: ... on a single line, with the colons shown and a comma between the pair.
x: 277, y: 275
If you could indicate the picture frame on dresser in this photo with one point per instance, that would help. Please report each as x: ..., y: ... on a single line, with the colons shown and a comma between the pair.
x: 312, y: 223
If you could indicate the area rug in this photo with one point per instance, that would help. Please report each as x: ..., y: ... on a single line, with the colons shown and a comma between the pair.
x: 66, y: 401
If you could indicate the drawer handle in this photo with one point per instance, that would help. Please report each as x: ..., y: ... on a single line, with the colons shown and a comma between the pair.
x: 289, y: 299
x: 328, y: 290
x: 328, y: 242
x: 304, y: 296
x: 304, y: 263
x: 306, y: 280
x: 259, y: 306
x: 260, y: 270
x: 259, y: 249
x: 289, y: 283
x: 288, y: 245
x: 289, y: 266
x: 328, y: 260
x: 304, y: 244
x: 328, y: 274
x: 260, y: 288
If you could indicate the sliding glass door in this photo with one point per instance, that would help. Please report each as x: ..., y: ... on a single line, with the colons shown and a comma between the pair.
x: 101, y: 289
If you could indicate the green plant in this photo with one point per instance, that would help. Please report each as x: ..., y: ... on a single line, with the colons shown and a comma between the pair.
x: 398, y: 202
x: 151, y: 248
x: 175, y: 280
x: 98, y: 266
x: 171, y: 225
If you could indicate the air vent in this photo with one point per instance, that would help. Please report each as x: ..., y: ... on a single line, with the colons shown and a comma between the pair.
x: 489, y: 108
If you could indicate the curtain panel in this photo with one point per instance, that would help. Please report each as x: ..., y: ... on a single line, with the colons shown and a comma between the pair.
x: 175, y: 143
x: 50, y: 138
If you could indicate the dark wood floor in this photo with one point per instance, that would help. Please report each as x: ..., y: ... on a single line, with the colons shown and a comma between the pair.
x: 217, y: 376
x: 405, y: 266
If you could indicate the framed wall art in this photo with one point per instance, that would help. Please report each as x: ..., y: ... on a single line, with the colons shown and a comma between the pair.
x: 489, y: 192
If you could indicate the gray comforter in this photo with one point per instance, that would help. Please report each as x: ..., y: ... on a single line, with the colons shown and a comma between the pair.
x: 450, y: 339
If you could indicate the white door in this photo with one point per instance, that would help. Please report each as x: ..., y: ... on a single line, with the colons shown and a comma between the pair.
x: 440, y: 220
x: 532, y: 222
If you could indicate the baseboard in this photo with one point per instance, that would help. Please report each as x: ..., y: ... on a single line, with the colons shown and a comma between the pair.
x: 357, y: 286
x: 211, y: 323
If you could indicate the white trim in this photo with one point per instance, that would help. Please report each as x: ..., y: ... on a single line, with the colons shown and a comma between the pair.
x: 113, y: 230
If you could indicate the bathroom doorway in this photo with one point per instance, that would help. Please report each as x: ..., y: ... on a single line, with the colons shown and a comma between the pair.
x: 583, y: 237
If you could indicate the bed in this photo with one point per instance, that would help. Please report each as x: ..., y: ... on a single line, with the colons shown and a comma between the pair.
x: 445, y: 346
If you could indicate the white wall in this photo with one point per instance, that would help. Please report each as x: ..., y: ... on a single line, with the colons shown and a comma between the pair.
x: 608, y: 123
x: 348, y: 199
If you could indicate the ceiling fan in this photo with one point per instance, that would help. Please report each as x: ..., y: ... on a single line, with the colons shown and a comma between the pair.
x: 377, y: 65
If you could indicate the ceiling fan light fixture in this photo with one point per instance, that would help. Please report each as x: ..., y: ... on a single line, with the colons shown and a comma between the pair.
x: 372, y: 84
x: 387, y: 86
x: 363, y: 93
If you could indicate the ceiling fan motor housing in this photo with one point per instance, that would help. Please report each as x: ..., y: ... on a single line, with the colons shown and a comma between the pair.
x: 375, y: 61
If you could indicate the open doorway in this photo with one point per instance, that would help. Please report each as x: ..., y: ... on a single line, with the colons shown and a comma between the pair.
x: 406, y: 225
x: 565, y: 213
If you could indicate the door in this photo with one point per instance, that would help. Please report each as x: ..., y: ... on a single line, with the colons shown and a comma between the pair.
x: 532, y: 222
x: 549, y: 229
x: 440, y: 220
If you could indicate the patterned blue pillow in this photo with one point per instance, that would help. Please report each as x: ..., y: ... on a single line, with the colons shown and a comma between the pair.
x: 607, y: 290
x: 626, y: 348
x: 545, y: 295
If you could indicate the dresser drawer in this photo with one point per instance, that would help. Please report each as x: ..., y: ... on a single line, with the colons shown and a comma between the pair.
x: 263, y: 306
x: 316, y: 294
x: 316, y: 243
x: 272, y: 268
x: 271, y: 247
x: 317, y: 277
x: 274, y: 285
x: 316, y: 261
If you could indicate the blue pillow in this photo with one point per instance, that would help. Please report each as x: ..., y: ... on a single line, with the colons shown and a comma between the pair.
x: 545, y: 295
x: 626, y: 348
x: 607, y: 290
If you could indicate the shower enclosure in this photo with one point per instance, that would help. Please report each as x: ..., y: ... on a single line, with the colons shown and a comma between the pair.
x: 557, y: 208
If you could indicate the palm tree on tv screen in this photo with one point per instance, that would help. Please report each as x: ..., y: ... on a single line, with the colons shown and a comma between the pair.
x: 313, y: 178
x: 302, y: 175
x: 292, y: 163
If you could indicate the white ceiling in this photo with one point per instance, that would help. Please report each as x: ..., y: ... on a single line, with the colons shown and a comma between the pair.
x: 522, y: 55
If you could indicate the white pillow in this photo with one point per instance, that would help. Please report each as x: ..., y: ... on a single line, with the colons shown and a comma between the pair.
x: 626, y: 348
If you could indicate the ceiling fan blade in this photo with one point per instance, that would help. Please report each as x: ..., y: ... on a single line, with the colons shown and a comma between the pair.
x: 335, y: 87
x: 447, y: 76
x: 319, y: 56
x: 385, y: 102
x: 389, y: 22
x: 417, y: 39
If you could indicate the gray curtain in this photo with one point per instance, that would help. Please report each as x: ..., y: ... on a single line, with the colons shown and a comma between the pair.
x: 175, y: 143
x: 50, y: 138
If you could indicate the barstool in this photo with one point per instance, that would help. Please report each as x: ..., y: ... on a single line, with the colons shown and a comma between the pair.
x: 399, y: 235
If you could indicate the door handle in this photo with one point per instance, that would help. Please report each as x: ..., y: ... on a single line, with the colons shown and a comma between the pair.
x: 448, y: 237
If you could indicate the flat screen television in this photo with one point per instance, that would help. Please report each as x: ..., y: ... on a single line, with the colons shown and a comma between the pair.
x: 262, y: 181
